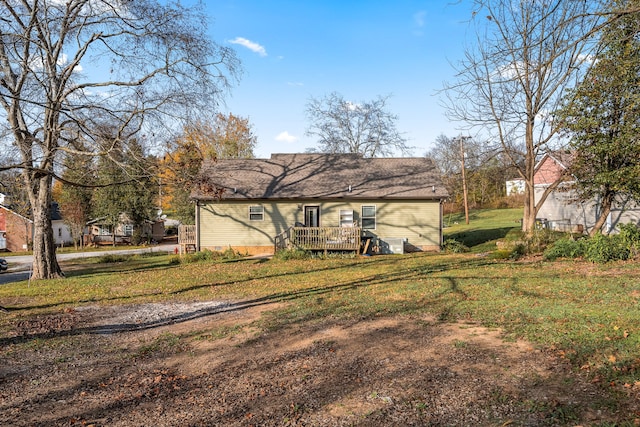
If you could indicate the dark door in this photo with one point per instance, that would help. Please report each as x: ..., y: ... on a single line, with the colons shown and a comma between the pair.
x: 312, y: 216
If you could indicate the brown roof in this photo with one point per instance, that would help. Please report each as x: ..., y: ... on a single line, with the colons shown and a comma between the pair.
x: 320, y: 176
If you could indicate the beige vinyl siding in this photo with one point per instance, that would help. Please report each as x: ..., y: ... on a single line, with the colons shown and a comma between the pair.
x: 416, y: 221
x: 225, y: 224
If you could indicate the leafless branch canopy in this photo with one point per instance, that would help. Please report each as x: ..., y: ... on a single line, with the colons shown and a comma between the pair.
x: 366, y: 128
x: 525, y: 55
x: 68, y: 69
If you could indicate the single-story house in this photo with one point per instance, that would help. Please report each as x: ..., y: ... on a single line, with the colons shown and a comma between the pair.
x: 563, y: 211
x: 100, y: 231
x: 246, y: 204
x: 16, y: 231
x: 61, y: 231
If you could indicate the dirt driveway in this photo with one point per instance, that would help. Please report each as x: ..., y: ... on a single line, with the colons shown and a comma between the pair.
x: 210, y: 364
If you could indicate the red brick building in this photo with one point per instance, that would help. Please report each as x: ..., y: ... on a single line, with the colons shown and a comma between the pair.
x: 16, y: 231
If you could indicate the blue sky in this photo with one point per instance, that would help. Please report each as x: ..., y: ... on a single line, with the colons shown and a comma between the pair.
x: 293, y: 50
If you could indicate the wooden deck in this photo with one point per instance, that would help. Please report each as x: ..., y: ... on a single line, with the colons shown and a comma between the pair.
x: 187, y: 238
x: 320, y: 239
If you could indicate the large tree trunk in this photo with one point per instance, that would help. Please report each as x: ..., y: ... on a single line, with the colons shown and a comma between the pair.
x: 605, y: 209
x: 529, y: 214
x: 45, y: 264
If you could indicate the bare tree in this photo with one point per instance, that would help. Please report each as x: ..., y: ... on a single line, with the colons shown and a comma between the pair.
x: 528, y: 53
x: 68, y: 68
x: 485, y: 168
x: 347, y: 127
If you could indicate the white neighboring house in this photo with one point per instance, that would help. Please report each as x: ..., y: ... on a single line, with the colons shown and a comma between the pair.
x: 515, y: 186
x: 563, y: 212
x: 61, y: 231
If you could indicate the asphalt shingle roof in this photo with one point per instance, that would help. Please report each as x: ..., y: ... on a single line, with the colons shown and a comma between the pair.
x: 319, y: 176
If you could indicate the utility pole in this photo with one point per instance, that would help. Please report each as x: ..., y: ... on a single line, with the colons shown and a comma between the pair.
x: 464, y: 179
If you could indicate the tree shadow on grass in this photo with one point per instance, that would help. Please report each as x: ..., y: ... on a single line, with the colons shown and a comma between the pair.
x: 471, y: 238
x: 274, y: 298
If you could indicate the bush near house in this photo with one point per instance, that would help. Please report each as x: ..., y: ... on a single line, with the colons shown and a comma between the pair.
x: 599, y: 248
x: 580, y: 313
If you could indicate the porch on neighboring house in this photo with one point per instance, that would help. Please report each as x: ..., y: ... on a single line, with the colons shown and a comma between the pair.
x: 101, y: 232
x: 320, y: 239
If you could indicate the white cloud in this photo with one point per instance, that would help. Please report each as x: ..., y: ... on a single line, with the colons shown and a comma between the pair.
x: 419, y: 18
x: 286, y: 137
x: 37, y: 64
x: 64, y: 60
x: 587, y: 59
x: 352, y: 106
x: 252, y: 46
x: 419, y: 21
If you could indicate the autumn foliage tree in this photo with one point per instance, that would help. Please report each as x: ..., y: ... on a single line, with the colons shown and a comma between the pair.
x: 68, y: 67
x: 487, y: 170
x: 74, y: 200
x: 227, y: 136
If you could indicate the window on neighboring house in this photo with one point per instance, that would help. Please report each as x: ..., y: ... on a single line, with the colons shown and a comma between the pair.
x: 128, y: 229
x: 59, y: 232
x: 104, y: 230
x: 256, y: 213
x: 368, y: 217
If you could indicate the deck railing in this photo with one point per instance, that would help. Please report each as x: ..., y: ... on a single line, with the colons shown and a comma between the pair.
x: 320, y: 238
x: 187, y: 238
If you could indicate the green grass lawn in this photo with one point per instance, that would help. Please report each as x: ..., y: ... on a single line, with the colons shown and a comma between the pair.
x: 586, y: 313
x: 485, y: 227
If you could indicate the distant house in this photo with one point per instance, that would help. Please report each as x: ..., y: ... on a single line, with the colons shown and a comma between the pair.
x: 330, y: 201
x: 61, y: 231
x: 515, y: 186
x: 563, y: 211
x: 100, y: 231
x: 16, y: 231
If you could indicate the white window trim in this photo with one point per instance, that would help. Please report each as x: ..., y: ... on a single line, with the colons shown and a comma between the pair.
x: 127, y: 229
x: 253, y: 213
x: 375, y: 217
x: 346, y: 213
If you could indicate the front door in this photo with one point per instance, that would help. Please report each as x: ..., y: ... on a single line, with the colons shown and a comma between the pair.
x: 312, y: 216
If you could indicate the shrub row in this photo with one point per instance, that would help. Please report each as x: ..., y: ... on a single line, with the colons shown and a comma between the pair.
x: 208, y: 255
x: 599, y: 248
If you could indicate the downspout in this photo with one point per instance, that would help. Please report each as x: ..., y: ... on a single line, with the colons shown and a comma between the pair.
x: 441, y: 222
x: 197, y: 226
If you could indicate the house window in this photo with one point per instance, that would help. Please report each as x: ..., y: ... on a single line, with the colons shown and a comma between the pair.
x: 256, y: 213
x: 368, y: 217
x: 346, y: 218
x: 128, y: 229
x: 59, y: 232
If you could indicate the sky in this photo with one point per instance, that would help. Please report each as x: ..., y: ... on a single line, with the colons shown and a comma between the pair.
x: 295, y: 50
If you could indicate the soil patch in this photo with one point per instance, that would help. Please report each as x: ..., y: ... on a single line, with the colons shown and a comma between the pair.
x: 208, y: 364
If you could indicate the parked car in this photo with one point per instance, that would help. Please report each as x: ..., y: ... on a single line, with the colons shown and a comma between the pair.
x: 3, y: 265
